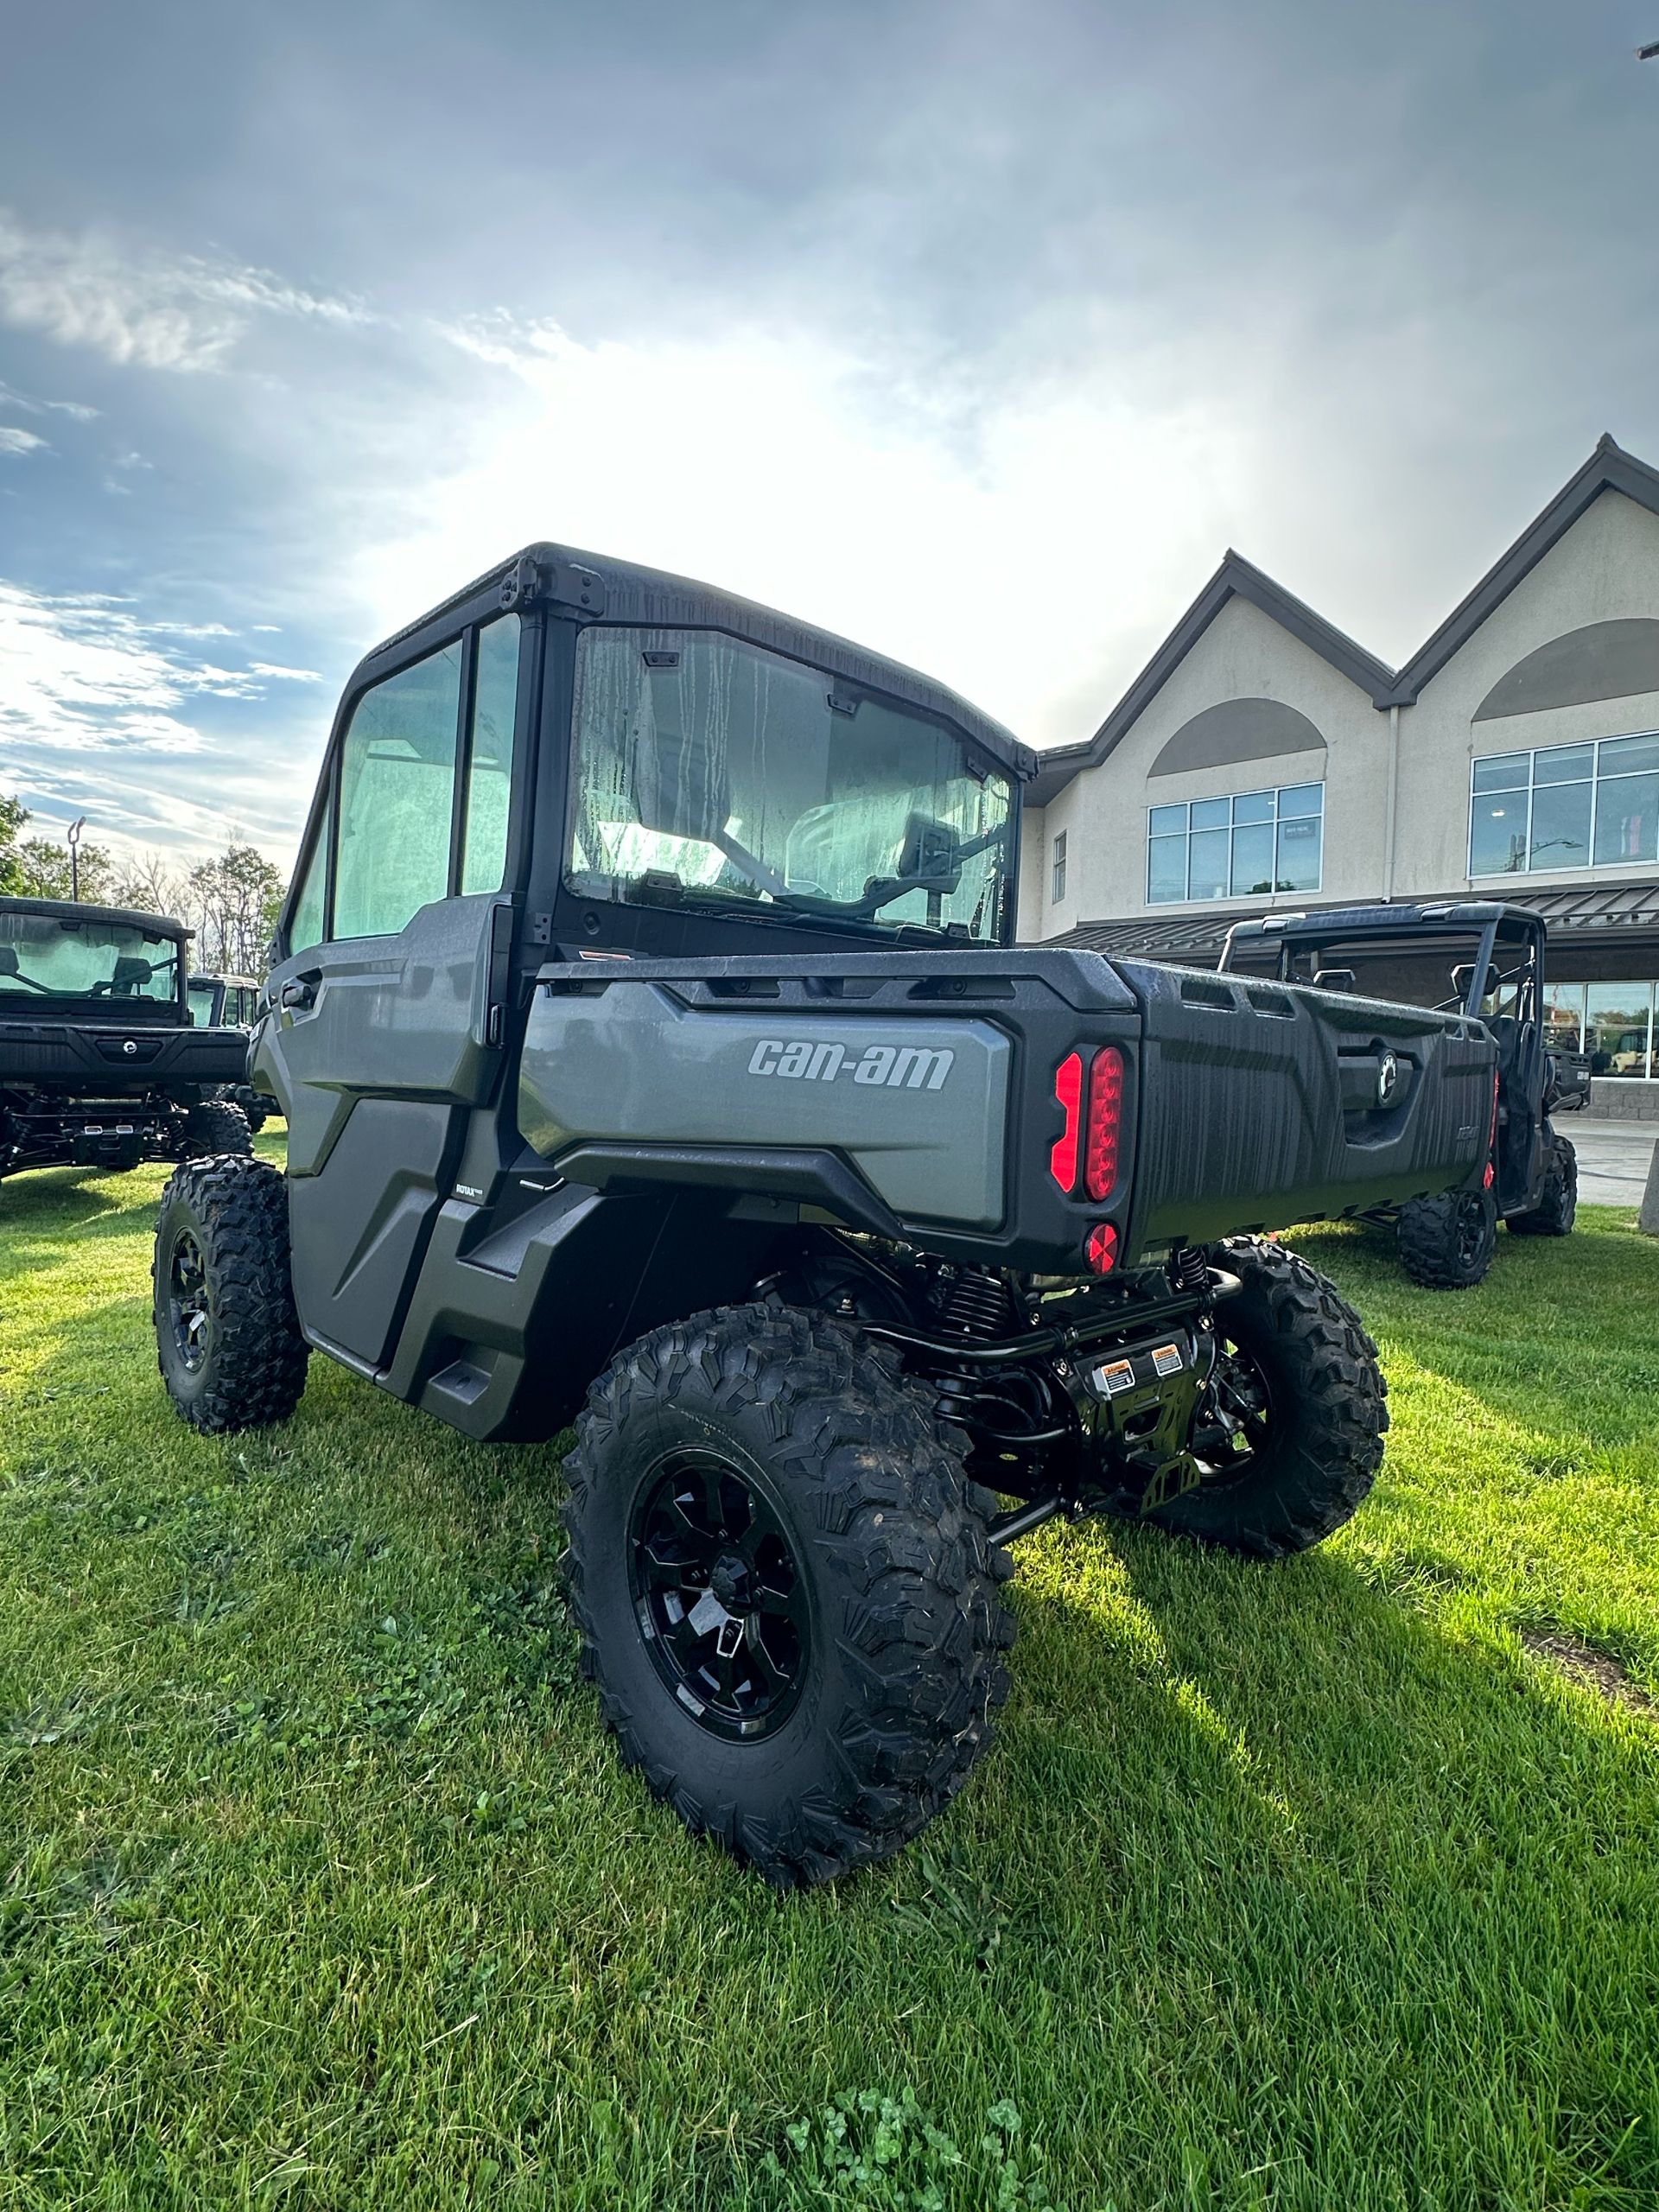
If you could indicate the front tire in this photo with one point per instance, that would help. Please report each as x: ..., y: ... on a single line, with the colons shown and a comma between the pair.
x: 1293, y: 1422
x: 1558, y: 1203
x: 227, y: 1337
x: 1447, y: 1242
x: 786, y: 1595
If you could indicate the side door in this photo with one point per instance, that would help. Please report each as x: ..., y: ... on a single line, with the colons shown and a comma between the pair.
x: 387, y: 1013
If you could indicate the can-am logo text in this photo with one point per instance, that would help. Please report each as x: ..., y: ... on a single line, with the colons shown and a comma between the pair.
x: 907, y: 1067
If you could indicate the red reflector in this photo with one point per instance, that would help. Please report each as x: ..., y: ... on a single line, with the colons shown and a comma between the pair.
x: 1105, y: 1115
x: 1102, y: 1248
x: 1068, y: 1090
x: 1490, y: 1176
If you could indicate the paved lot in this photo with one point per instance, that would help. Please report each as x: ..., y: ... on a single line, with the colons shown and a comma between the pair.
x: 1613, y: 1158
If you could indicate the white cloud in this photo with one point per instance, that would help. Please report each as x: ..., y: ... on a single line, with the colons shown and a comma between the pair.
x: 12, y: 440
x: 284, y: 675
x: 182, y: 314
x: 1020, y: 542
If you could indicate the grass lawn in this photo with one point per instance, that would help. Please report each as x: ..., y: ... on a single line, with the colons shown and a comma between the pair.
x: 1329, y: 1885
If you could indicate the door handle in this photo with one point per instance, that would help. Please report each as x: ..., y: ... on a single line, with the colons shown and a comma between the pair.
x: 299, y: 992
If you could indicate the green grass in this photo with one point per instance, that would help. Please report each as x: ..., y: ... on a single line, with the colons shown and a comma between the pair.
x: 1299, y: 1887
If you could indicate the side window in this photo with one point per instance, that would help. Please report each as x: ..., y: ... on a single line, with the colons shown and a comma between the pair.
x: 489, y: 765
x: 396, y: 797
x: 306, y: 928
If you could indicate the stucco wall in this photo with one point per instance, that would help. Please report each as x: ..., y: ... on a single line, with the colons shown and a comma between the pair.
x: 1606, y: 568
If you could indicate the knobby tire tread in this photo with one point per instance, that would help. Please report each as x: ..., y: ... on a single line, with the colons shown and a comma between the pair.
x: 1333, y: 1414
x: 257, y: 1361
x: 921, y: 1621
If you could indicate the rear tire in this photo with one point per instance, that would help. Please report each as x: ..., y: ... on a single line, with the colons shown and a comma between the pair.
x: 1300, y: 1376
x: 1557, y: 1206
x: 1447, y: 1242
x: 227, y: 1337
x: 215, y: 1125
x: 827, y: 1682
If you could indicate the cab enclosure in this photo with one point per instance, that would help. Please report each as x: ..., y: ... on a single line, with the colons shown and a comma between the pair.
x: 646, y: 945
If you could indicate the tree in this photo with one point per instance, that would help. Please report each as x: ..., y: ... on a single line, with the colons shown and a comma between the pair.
x: 150, y: 885
x: 234, y: 901
x: 13, y: 815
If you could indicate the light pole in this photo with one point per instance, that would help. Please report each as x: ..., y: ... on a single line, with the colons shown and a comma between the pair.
x: 1647, y: 53
x: 75, y: 829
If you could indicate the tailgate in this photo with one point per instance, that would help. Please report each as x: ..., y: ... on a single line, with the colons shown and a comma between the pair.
x: 1264, y: 1104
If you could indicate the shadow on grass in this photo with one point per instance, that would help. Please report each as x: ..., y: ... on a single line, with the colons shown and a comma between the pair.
x: 1403, y: 1876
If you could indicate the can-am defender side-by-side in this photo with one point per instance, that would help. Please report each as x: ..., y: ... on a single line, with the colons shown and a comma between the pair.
x: 655, y: 1055
x: 101, y: 1063
x: 231, y: 1002
x: 1479, y: 958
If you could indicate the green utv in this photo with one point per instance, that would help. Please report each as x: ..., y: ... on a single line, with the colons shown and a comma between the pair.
x: 656, y: 1057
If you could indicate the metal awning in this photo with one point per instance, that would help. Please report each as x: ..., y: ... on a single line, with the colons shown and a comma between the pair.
x: 1606, y: 927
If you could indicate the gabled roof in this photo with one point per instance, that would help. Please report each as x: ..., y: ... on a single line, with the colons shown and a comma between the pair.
x: 1236, y: 578
x: 1609, y: 469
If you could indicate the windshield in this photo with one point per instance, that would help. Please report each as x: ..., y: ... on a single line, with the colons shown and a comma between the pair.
x: 200, y: 997
x: 44, y: 957
x: 710, y: 772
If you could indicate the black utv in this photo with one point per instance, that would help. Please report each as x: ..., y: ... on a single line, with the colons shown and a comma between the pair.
x: 231, y: 1002
x: 1478, y: 958
x: 656, y: 1057
x: 101, y: 1064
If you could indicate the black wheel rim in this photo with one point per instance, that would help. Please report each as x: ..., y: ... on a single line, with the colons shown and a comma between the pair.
x: 1472, y: 1229
x: 189, y: 1315
x: 719, y: 1595
x: 1235, y: 1427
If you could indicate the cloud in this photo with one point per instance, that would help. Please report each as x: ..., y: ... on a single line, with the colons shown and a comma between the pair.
x: 285, y: 675
x: 183, y: 315
x: 12, y: 440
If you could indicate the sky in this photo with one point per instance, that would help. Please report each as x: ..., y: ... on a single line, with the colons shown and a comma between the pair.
x: 974, y: 329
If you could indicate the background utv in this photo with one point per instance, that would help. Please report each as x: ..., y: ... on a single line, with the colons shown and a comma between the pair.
x: 654, y: 1054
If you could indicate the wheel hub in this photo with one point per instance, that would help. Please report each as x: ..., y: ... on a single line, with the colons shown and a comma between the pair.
x: 187, y: 1308
x: 718, y: 1594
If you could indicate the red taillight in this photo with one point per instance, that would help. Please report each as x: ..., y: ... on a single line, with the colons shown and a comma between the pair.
x: 1068, y: 1091
x: 1102, y: 1248
x: 1105, y: 1119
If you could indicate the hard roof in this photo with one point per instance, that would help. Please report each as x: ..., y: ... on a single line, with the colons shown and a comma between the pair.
x: 82, y: 910
x: 653, y: 598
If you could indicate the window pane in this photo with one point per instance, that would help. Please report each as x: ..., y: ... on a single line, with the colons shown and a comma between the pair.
x: 1300, y: 844
x: 1503, y: 772
x: 1619, y: 1023
x: 1253, y: 806
x: 397, y: 795
x: 1252, y: 859
x: 1211, y: 873
x: 489, y: 771
x: 1630, y: 756
x: 1563, y: 764
x: 1560, y: 826
x: 1302, y: 798
x: 1165, y: 821
x: 1210, y: 813
x: 1627, y: 818
x: 1165, y: 870
x: 1564, y: 1017
x: 1497, y: 834
x: 731, y: 777
x: 306, y: 929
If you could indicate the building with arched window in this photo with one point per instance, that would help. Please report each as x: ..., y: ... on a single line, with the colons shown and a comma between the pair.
x: 1264, y: 760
